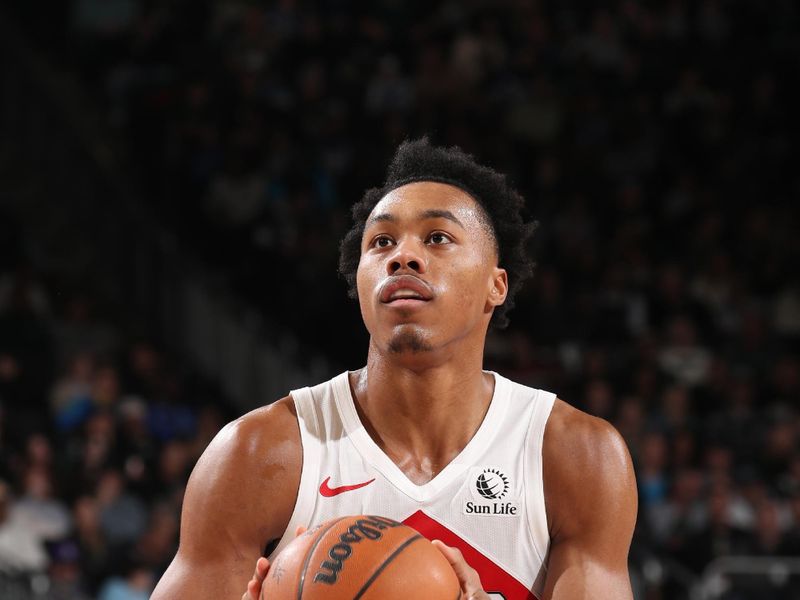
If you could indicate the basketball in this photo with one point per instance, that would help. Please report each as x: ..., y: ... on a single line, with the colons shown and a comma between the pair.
x: 361, y: 557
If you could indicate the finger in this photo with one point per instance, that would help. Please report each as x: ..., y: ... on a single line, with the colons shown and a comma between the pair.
x: 262, y: 567
x: 467, y: 576
x: 253, y: 590
x: 254, y: 585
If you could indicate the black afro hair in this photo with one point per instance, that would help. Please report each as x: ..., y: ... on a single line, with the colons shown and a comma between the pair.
x: 418, y: 160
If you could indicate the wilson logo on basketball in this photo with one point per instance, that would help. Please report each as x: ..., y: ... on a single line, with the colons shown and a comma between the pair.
x: 369, y: 529
x: 492, y: 484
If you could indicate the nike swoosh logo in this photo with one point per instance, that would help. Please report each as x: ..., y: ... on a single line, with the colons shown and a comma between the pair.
x: 329, y: 492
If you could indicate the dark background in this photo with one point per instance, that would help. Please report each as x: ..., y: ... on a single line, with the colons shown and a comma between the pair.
x: 175, y: 178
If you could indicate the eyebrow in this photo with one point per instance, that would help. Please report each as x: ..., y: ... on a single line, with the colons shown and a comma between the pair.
x: 431, y: 213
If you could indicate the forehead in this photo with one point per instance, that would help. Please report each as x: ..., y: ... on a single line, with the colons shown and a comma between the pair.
x: 410, y: 201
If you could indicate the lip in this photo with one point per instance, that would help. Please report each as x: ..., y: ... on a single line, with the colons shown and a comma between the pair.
x: 405, y: 282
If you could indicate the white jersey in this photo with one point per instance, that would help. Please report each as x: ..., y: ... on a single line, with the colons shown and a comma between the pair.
x: 488, y: 502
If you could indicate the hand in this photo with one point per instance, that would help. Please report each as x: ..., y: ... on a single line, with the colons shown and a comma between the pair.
x: 254, y: 585
x: 468, y: 577
x: 262, y: 568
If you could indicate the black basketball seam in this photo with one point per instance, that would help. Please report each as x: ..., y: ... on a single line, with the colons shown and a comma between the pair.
x: 385, y: 564
x: 308, y: 557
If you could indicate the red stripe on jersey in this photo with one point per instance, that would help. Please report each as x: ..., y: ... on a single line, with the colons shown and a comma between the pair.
x: 494, y: 579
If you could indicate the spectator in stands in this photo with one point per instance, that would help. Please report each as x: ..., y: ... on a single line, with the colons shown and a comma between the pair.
x: 136, y: 584
x: 66, y: 576
x: 71, y: 395
x: 791, y: 545
x: 21, y: 550
x: 93, y: 548
x: 718, y: 537
x: 39, y: 508
x: 766, y: 538
x: 122, y: 516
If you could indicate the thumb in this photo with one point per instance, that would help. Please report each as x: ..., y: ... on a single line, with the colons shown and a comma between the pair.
x: 468, y: 577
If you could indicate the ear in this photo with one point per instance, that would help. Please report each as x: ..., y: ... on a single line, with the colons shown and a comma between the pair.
x: 498, y: 288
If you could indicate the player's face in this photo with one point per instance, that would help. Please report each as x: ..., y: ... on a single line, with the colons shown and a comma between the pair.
x: 428, y: 272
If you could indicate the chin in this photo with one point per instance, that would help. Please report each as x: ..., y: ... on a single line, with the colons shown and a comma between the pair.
x: 409, y: 339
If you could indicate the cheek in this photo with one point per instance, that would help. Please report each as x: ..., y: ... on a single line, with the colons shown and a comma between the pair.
x: 361, y: 283
x: 467, y: 286
x: 365, y: 282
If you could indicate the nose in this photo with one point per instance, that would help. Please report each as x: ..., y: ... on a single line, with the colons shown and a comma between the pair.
x: 406, y: 257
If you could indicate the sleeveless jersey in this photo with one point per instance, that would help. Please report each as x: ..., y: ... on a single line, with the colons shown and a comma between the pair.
x: 488, y: 502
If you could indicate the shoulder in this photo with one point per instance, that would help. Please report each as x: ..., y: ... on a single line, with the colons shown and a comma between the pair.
x: 239, y: 497
x: 257, y: 440
x: 588, y: 473
x: 248, y: 476
x: 258, y: 431
x: 574, y: 438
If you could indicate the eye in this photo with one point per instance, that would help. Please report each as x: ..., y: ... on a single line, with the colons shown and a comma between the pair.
x: 437, y: 238
x: 382, y: 241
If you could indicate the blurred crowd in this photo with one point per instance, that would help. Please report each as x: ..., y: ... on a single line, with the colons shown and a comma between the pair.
x: 652, y: 141
x: 99, y: 430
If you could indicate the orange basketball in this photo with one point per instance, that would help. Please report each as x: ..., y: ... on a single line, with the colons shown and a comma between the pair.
x: 361, y: 557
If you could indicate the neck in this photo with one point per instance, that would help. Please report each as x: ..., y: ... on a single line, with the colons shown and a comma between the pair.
x: 422, y: 415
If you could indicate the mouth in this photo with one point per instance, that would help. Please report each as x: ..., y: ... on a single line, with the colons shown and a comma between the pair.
x: 405, y: 290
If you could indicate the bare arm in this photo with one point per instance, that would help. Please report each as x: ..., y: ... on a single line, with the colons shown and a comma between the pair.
x: 239, y: 497
x: 590, y: 493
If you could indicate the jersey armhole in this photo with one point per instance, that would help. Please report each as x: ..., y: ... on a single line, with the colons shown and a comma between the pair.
x: 307, y: 421
x: 535, y: 507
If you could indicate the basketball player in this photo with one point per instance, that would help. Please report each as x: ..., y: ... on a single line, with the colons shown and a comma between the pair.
x: 531, y: 498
